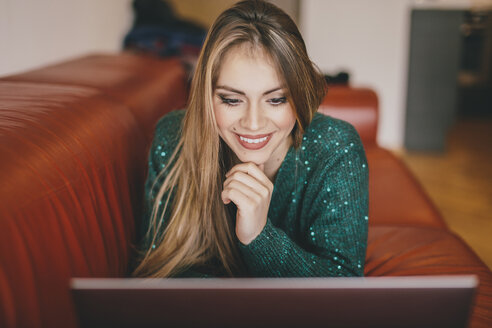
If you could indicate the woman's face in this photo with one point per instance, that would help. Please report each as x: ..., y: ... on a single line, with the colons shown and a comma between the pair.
x: 251, y: 108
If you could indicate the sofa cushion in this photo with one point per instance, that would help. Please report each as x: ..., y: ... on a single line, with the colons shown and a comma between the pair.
x: 412, y: 251
x: 72, y: 170
x: 395, y: 196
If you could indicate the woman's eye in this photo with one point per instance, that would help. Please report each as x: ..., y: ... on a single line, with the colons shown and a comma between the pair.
x: 277, y: 101
x: 229, y: 101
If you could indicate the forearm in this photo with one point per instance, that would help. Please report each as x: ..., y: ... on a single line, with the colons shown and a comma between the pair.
x: 274, y: 254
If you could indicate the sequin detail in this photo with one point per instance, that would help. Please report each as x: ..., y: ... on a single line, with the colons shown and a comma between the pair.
x: 318, y: 216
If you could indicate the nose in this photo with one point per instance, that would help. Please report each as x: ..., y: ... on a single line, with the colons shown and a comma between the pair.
x: 253, y: 119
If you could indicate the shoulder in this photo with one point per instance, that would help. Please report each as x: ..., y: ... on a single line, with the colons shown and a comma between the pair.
x: 328, y: 136
x: 328, y: 128
x: 168, y: 129
x: 335, y: 161
x: 166, y: 137
x: 170, y: 123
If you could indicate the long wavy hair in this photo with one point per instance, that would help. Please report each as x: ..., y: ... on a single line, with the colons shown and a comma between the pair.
x: 200, y: 228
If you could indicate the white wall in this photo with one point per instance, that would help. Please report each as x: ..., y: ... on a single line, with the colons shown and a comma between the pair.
x: 370, y: 40
x: 291, y: 7
x: 205, y: 12
x: 34, y: 33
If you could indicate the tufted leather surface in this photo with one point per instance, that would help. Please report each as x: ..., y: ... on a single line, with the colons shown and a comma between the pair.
x: 73, y: 161
x: 415, y: 251
x: 395, y: 196
x: 67, y: 193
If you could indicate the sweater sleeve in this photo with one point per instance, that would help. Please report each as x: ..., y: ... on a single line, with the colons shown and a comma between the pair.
x: 165, y: 140
x: 333, y: 242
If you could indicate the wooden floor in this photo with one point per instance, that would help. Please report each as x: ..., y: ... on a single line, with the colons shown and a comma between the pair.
x: 460, y: 182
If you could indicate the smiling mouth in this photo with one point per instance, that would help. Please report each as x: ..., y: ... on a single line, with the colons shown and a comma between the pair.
x: 254, y: 142
x: 258, y: 140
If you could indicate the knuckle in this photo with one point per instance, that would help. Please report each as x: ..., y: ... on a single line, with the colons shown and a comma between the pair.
x: 231, y: 193
x: 250, y: 203
x: 232, y: 185
x: 256, y: 198
x: 236, y: 175
x: 265, y: 192
x: 240, y: 174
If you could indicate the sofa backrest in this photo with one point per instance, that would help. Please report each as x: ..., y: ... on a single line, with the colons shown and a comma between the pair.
x: 358, y: 106
x: 74, y: 139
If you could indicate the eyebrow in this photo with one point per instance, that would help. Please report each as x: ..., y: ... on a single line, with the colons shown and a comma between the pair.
x: 225, y: 87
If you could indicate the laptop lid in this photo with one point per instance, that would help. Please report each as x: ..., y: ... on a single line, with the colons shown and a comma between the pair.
x: 430, y: 301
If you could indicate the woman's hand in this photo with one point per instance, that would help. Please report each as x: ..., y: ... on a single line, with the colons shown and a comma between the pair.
x: 250, y: 190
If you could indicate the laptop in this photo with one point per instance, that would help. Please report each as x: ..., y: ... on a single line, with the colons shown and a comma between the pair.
x: 419, y: 301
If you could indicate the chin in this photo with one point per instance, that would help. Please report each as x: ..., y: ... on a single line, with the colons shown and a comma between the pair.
x: 257, y: 159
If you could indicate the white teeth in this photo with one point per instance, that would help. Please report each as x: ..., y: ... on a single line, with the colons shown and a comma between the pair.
x: 253, y: 140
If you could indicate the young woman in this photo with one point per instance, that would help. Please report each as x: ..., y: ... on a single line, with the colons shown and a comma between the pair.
x: 250, y: 180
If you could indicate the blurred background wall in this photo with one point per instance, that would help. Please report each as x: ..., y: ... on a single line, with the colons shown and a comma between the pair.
x: 368, y: 39
x: 34, y: 33
x: 205, y: 12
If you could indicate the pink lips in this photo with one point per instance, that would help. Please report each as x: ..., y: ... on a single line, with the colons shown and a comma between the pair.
x: 254, y: 145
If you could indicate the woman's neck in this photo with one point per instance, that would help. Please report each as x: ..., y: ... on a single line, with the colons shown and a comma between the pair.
x: 275, y: 161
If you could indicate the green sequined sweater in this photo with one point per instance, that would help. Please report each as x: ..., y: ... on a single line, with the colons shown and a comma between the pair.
x: 318, y: 216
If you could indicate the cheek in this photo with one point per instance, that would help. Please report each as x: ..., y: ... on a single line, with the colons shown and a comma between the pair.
x: 222, y: 119
x: 286, y: 121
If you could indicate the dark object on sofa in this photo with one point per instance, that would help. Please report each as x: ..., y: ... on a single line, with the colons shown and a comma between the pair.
x: 74, y: 139
x: 158, y: 31
x: 161, y: 13
x: 342, y: 78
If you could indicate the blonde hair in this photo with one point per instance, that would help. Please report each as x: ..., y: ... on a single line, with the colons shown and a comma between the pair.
x: 200, y: 228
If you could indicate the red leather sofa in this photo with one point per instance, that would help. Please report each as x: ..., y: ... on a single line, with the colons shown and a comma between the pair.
x: 74, y: 139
